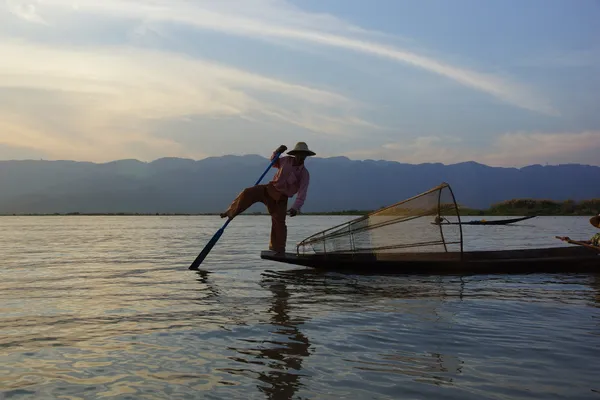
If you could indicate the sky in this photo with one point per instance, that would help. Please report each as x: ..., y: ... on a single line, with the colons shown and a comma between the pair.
x: 504, y: 83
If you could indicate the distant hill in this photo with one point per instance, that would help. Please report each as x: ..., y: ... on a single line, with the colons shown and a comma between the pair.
x: 175, y: 185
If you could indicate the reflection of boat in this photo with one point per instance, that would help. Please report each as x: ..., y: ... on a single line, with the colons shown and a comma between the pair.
x: 486, y: 222
x: 303, y: 294
x: 401, y: 239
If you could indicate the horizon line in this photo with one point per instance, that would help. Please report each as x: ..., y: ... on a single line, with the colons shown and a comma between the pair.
x: 314, y: 157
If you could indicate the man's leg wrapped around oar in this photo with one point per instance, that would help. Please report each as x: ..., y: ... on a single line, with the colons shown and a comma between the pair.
x: 276, y: 204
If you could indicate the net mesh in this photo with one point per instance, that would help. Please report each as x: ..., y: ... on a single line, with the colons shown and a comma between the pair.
x: 409, y: 226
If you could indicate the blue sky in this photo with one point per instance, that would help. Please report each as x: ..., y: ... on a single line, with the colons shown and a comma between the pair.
x: 505, y: 83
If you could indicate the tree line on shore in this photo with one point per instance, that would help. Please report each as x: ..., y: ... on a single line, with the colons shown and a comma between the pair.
x: 539, y: 207
x: 518, y: 207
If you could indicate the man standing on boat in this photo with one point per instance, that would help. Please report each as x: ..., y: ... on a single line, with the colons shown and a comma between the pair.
x: 291, y: 178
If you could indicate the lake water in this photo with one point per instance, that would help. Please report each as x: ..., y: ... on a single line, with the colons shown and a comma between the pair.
x: 105, y: 307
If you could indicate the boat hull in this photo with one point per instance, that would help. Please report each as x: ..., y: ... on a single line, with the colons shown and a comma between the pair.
x: 497, y: 222
x: 548, y: 260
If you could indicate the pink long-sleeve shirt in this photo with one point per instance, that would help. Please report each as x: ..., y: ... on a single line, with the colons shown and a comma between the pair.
x: 291, y: 179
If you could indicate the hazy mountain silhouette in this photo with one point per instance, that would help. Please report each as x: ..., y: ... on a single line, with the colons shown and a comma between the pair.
x: 175, y: 185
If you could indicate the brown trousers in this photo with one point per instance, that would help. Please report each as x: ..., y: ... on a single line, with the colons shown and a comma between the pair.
x: 276, y: 205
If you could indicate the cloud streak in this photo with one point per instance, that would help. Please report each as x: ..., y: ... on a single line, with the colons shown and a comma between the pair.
x: 78, y: 139
x: 274, y: 19
x: 26, y: 10
x: 75, y: 101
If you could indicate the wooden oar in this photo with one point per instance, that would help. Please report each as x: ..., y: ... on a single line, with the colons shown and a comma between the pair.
x: 211, y: 243
x: 568, y: 240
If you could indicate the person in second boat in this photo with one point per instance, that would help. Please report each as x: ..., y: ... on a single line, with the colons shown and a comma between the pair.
x: 595, y: 239
x: 291, y: 178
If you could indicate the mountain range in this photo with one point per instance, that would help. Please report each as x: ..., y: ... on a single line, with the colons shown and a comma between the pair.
x: 176, y: 185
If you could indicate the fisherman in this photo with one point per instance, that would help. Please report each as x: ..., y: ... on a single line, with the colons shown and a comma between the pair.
x: 594, y: 240
x: 291, y: 178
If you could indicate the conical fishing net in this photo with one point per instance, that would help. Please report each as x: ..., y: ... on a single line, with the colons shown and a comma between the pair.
x: 410, y: 226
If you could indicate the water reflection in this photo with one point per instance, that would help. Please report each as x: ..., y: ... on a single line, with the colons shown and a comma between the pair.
x: 317, y: 291
x: 339, y: 288
x: 286, y: 355
x: 595, y: 285
x: 209, y: 289
x: 433, y: 368
x: 330, y: 289
x: 280, y: 355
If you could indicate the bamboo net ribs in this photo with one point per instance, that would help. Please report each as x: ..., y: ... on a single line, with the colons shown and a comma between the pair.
x: 408, y: 226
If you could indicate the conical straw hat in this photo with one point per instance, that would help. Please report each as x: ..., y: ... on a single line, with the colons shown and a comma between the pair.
x: 301, y: 147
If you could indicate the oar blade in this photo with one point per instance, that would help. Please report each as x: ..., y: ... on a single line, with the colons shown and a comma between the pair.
x: 206, y: 250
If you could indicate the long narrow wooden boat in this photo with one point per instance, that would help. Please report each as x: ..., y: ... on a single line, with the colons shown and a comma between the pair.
x: 400, y: 239
x: 490, y: 222
x: 526, y: 261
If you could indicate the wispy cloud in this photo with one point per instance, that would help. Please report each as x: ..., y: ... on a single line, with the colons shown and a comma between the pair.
x: 100, y: 104
x: 111, y: 70
x: 78, y: 139
x: 109, y: 96
x: 26, y: 10
x: 514, y: 149
x: 268, y: 19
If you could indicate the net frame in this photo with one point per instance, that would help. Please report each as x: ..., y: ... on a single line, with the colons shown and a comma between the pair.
x: 345, y: 229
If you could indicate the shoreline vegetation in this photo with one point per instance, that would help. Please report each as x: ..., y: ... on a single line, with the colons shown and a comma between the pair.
x: 514, y: 207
